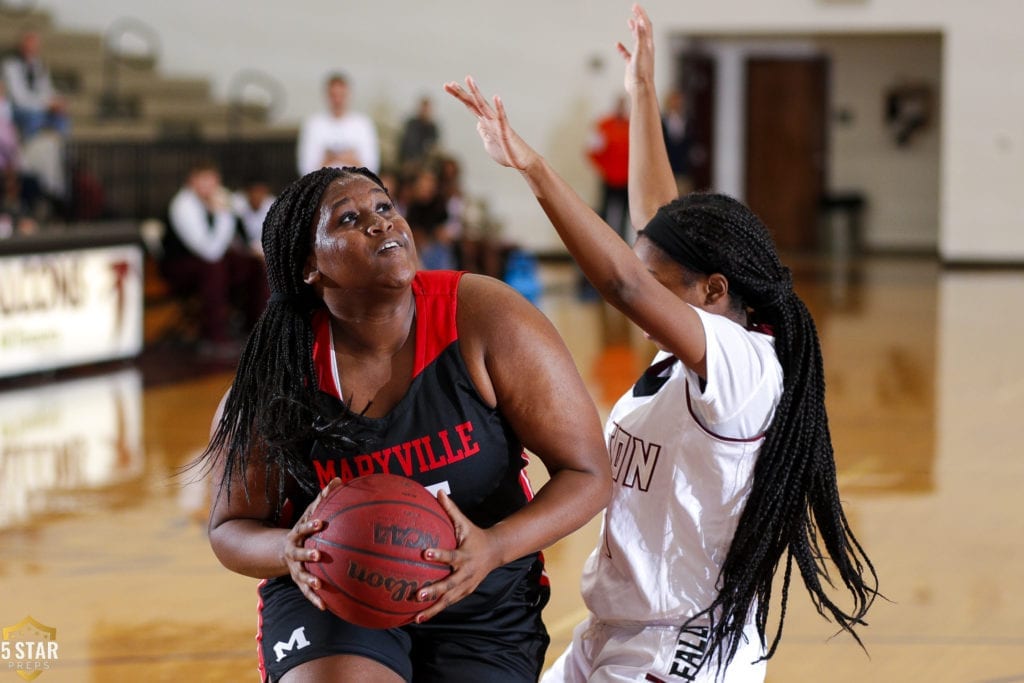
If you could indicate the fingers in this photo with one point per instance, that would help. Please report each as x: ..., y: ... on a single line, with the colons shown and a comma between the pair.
x: 459, y: 520
x: 474, y: 90
x: 626, y: 54
x: 473, y: 99
x: 444, y: 592
x: 641, y: 14
x: 499, y: 106
x: 309, y: 585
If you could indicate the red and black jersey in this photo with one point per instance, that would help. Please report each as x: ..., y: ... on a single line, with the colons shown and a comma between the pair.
x: 441, y: 433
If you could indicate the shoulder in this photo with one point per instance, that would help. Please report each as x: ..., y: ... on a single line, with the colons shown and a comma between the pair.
x: 184, y: 198
x: 487, y: 297
x: 498, y: 318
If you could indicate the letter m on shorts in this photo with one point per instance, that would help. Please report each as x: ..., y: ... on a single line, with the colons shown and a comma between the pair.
x: 296, y: 642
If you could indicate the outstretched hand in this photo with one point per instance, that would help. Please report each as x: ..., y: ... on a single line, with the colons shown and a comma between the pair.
x: 501, y: 142
x: 639, y: 62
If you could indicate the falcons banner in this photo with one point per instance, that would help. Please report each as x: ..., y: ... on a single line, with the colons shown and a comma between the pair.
x: 69, y: 308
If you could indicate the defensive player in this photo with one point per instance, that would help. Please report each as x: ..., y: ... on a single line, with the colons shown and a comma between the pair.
x: 721, y: 453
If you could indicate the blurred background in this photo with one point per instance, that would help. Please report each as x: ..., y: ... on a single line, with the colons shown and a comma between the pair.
x: 882, y: 141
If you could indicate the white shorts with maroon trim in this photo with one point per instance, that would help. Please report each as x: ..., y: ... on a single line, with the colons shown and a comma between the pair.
x: 606, y: 653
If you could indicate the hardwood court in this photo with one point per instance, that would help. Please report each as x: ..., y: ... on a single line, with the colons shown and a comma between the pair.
x: 103, y: 540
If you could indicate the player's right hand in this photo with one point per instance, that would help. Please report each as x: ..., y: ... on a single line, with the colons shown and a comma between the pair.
x: 296, y: 554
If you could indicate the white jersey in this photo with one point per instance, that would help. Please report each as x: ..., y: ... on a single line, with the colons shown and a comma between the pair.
x: 682, y: 459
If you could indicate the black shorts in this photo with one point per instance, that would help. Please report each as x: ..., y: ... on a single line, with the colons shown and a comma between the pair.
x: 494, y: 634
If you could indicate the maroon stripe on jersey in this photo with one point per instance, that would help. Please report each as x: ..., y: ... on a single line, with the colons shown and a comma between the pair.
x: 730, y: 439
x: 436, y: 294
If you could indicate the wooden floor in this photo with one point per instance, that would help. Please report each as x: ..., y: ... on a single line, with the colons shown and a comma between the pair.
x: 104, y: 540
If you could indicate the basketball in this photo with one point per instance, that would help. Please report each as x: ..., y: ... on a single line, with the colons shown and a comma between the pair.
x: 375, y: 529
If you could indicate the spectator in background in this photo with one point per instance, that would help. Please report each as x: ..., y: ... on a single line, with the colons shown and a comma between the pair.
x: 251, y: 205
x: 608, y: 150
x: 37, y: 105
x: 339, y: 136
x: 18, y: 192
x: 676, y: 128
x: 427, y: 216
x: 206, y: 255
x: 419, y: 136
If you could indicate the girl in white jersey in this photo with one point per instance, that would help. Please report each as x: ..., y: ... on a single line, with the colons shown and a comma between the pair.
x: 721, y: 452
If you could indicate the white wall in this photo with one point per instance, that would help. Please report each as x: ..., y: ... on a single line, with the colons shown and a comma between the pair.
x: 536, y: 54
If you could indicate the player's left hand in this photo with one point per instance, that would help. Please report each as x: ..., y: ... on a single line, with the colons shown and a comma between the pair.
x: 639, y: 61
x: 473, y: 558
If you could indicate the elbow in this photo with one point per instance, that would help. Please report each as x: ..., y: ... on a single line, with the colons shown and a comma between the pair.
x: 602, y: 485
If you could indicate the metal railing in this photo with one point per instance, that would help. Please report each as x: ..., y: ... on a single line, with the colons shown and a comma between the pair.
x: 138, y: 179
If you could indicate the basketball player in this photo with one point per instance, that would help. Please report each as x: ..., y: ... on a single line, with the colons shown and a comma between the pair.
x: 721, y: 451
x: 361, y: 364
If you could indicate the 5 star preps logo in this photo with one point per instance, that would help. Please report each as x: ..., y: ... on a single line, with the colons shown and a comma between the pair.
x: 28, y: 648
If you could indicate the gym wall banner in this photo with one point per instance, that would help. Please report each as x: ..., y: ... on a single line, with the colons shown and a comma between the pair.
x: 66, y: 308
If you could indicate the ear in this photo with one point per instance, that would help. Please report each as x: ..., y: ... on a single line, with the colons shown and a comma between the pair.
x: 310, y: 274
x: 717, y: 290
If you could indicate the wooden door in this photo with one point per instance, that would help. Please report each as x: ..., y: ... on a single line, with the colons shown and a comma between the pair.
x: 697, y: 80
x: 786, y: 146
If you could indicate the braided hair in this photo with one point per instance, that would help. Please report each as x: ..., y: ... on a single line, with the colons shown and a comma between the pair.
x: 270, y: 411
x: 793, y: 506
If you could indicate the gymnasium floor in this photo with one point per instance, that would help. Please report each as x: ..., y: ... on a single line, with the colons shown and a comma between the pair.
x: 101, y: 540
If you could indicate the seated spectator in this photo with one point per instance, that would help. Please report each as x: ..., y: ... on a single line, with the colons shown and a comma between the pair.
x: 37, y: 105
x: 427, y: 215
x: 18, y: 192
x: 205, y: 254
x: 251, y: 205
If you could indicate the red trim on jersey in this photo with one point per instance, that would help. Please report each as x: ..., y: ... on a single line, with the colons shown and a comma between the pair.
x: 261, y: 665
x: 436, y: 294
x: 323, y: 353
x: 524, y: 482
x: 730, y: 439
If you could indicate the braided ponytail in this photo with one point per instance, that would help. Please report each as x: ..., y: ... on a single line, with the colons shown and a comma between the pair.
x: 270, y: 411
x: 794, y: 505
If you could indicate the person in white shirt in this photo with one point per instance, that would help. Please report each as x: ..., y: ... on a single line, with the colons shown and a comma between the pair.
x: 338, y: 137
x: 206, y: 254
x: 37, y: 104
x: 251, y: 204
x: 721, y: 451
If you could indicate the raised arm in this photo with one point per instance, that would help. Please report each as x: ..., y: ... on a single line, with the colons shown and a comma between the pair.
x: 651, y: 182
x: 608, y: 262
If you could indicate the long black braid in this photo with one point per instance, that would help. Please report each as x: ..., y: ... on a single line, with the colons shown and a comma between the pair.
x: 270, y: 410
x: 794, y: 504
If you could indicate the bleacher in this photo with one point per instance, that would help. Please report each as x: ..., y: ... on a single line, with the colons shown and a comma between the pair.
x: 135, y: 129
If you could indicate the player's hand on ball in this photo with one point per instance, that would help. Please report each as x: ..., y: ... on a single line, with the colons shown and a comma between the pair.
x: 472, y: 560
x: 296, y: 554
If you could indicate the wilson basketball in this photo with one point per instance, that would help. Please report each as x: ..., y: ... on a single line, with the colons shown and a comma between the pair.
x: 371, y: 547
